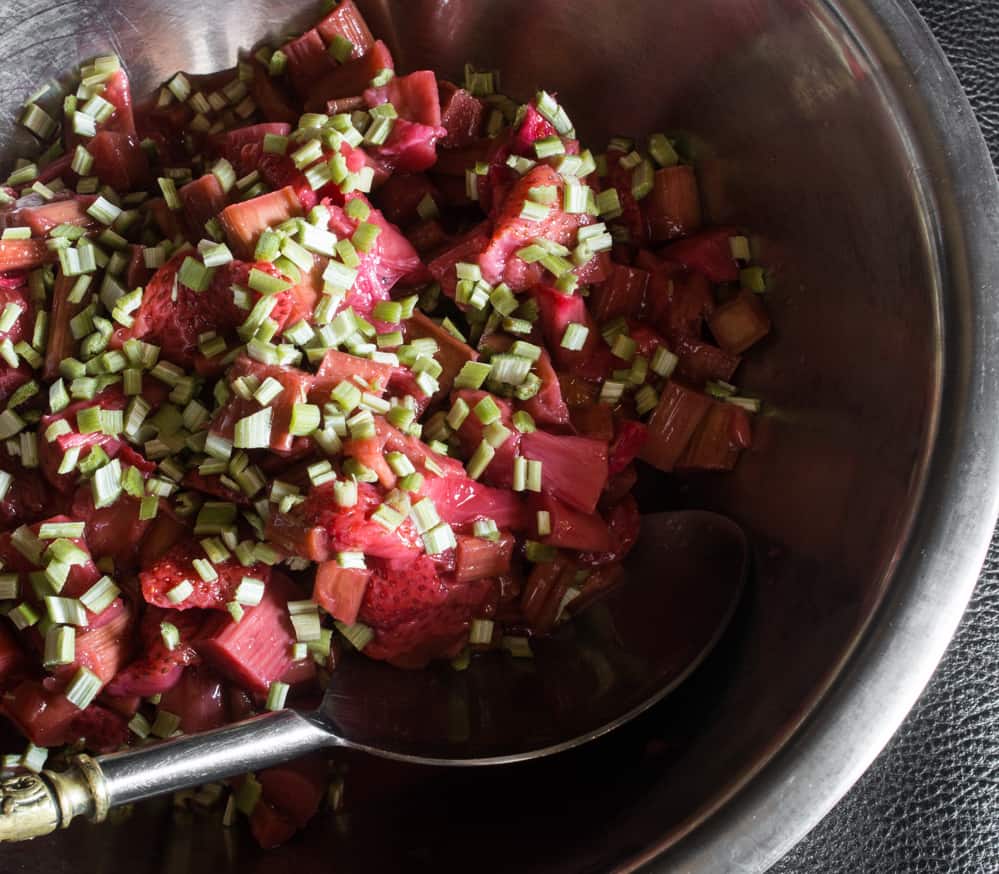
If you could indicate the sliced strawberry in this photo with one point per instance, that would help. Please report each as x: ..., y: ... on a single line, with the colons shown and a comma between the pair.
x: 511, y: 232
x: 203, y: 200
x: 557, y: 312
x: 417, y: 614
x: 390, y: 258
x: 177, y: 565
x: 533, y: 126
x: 101, y: 730
x: 462, y: 116
x: 158, y: 668
x: 270, y: 827
x: 173, y: 315
x: 229, y: 145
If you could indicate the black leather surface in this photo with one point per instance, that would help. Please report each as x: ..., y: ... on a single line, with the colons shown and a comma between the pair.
x: 930, y: 804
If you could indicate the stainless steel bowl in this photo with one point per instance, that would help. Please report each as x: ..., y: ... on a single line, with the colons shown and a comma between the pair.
x: 838, y: 133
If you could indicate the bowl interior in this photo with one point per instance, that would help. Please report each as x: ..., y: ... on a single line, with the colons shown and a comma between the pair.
x: 797, y: 142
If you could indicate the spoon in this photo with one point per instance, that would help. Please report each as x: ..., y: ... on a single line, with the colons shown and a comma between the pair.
x: 617, y: 658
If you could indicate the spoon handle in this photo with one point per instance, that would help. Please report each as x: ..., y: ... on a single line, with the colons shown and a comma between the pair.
x: 37, y: 804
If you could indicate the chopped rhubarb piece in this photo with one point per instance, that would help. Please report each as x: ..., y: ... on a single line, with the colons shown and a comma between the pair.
x: 624, y: 525
x: 633, y: 218
x: 173, y: 316
x: 198, y: 699
x: 60, y: 344
x: 102, y: 650
x: 203, y: 199
x: 68, y: 211
x: 255, y: 651
x: 244, y: 222
x: 346, y: 20
x: 476, y: 558
x: 629, y: 438
x: 460, y: 501
x: 390, y: 259
x: 349, y: 80
x: 338, y: 366
x: 452, y: 353
x: 415, y: 97
x: 113, y: 531
x: 623, y: 294
x: 462, y: 116
x: 171, y: 570
x: 673, y: 423
x: 12, y: 657
x: 339, y: 591
x: 164, y: 532
x: 740, y: 322
x: 465, y: 248
x: 594, y: 420
x: 166, y: 219
x: 513, y: 232
x: 402, y: 194
x: 427, y: 236
x: 533, y: 126
x: 24, y: 254
x: 700, y: 361
x: 230, y: 145
x: 722, y: 434
x: 570, y: 529
x: 270, y: 827
x: 41, y: 712
x: 547, y: 407
x: 28, y: 497
x: 678, y: 300
x: 296, y: 788
x: 707, y: 252
x: 499, y: 472
x: 137, y: 274
x: 578, y: 391
x: 119, y: 160
x: 275, y: 103
x: 411, y: 147
x: 673, y: 207
x: 417, y: 614
x: 158, y: 668
x: 558, y: 311
x: 295, y: 387
x: 545, y: 589
x: 308, y: 61
x: 574, y: 469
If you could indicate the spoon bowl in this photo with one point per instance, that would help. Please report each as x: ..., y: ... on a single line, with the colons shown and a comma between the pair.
x: 621, y: 655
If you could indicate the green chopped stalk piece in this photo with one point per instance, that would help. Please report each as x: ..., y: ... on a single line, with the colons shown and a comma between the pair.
x: 165, y: 724
x: 181, y: 592
x: 305, y: 419
x: 266, y: 284
x: 358, y: 634
x: 277, y: 694
x: 575, y: 336
x: 341, y: 48
x: 254, y: 431
x: 480, y: 460
x: 170, y: 635
x: 472, y: 375
x: 753, y: 279
x: 487, y: 411
x: 83, y: 688
x: 60, y: 646
x: 662, y: 149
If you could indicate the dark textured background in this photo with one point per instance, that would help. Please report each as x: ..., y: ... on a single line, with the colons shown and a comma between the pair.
x: 930, y: 803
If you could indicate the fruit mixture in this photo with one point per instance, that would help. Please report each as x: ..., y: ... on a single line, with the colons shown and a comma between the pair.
x: 315, y: 355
